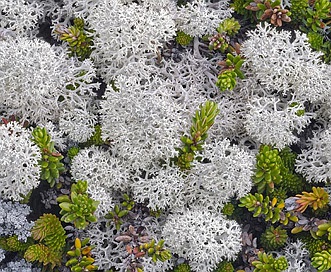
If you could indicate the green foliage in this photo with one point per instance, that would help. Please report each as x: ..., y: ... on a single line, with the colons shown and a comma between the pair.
x: 184, y: 267
x: 183, y: 39
x: 229, y: 72
x: 292, y: 183
x: 320, y: 43
x: 298, y: 10
x: 270, y: 210
x: 268, y: 167
x: 288, y: 158
x: 273, y: 238
x: 48, y: 229
x: 230, y: 26
x: 12, y: 243
x: 73, y: 151
x: 316, y: 14
x: 128, y: 202
x: 156, y: 251
x: 316, y: 40
x: 120, y: 211
x: 204, y: 118
x: 78, y: 37
x: 78, y: 207
x: 116, y: 215
x: 314, y: 245
x: 267, y: 263
x: 224, y: 266
x: 226, y: 80
x: 51, y: 167
x: 321, y: 260
x: 43, y: 254
x: 80, y: 257
x: 279, y: 193
x: 327, y: 52
x: 95, y: 139
x: 239, y: 7
x: 228, y: 209
x: 299, y: 112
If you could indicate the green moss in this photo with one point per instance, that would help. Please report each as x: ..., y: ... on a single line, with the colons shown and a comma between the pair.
x: 224, y: 266
x: 183, y: 39
x: 228, y: 209
x: 184, y: 267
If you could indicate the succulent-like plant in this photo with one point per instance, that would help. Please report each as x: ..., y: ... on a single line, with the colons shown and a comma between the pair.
x: 229, y: 72
x: 270, y: 10
x: 226, y: 80
x: 48, y: 229
x: 267, y: 263
x: 288, y: 158
x: 52, y: 238
x: 268, y: 169
x: 317, y: 199
x: 204, y: 118
x: 128, y: 202
x: 269, y: 209
x: 228, y: 209
x: 274, y: 238
x: 80, y: 257
x: 12, y: 243
x: 78, y: 207
x: 138, y: 245
x: 78, y: 37
x: 321, y: 260
x: 324, y: 228
x: 156, y: 251
x: 51, y: 165
x: 230, y: 26
x: 43, y: 254
x: 316, y: 40
x: 219, y: 41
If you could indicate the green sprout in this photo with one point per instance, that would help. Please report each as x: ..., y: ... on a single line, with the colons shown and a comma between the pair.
x: 274, y: 238
x: 51, y: 165
x: 78, y: 37
x: 229, y: 72
x: 268, y: 169
x: 267, y: 263
x: 78, y: 207
x: 271, y: 210
x: 230, y: 26
x: 204, y: 118
x: 81, y: 259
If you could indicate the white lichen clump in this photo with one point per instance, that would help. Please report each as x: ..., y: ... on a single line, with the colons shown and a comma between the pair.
x: 202, y: 237
x: 19, y: 156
